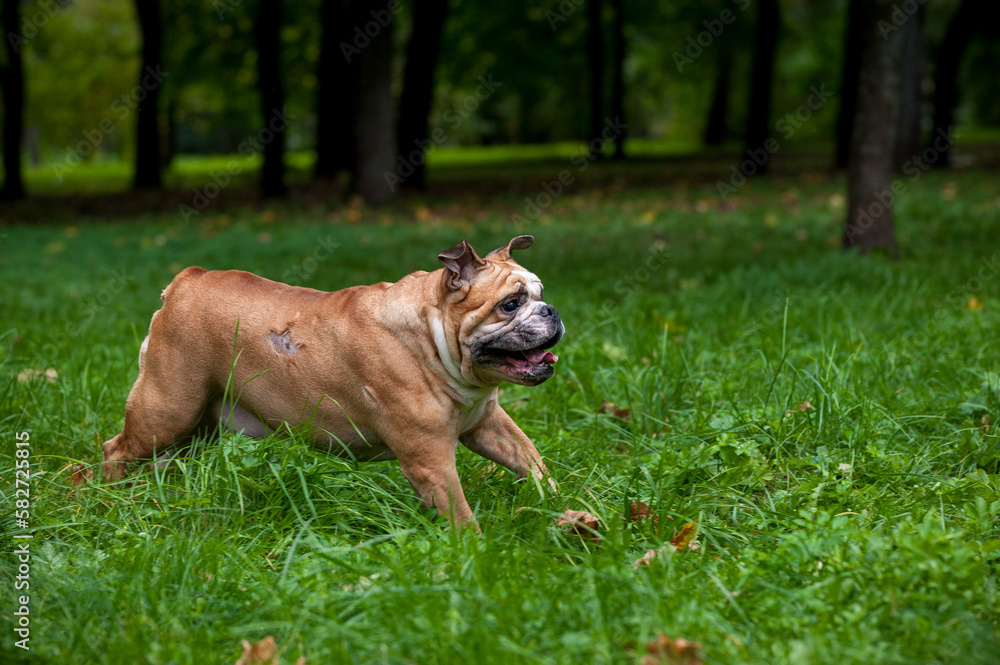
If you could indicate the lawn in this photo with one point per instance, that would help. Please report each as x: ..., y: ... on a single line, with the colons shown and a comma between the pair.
x: 826, y: 420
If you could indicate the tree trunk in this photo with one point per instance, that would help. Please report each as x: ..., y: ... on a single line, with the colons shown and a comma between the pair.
x: 12, y: 78
x: 595, y: 57
x: 853, y: 43
x: 336, y: 93
x: 147, y: 131
x: 911, y: 94
x: 375, y: 126
x: 618, y: 73
x: 765, y: 45
x: 967, y: 20
x: 870, y: 171
x: 715, y: 128
x: 168, y: 143
x: 418, y: 87
x: 272, y: 135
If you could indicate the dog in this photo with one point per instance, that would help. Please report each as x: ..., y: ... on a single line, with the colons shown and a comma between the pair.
x: 403, y: 370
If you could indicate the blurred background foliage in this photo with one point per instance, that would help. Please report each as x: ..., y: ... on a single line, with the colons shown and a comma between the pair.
x: 87, y: 54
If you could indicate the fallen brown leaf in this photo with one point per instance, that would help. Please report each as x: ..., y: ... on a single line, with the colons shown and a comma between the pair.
x: 647, y: 558
x: 264, y: 652
x: 80, y: 475
x: 579, y: 522
x: 615, y: 410
x: 684, y: 540
x: 640, y: 511
x: 664, y: 650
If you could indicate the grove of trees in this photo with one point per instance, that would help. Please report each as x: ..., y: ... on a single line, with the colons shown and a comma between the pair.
x: 370, y: 85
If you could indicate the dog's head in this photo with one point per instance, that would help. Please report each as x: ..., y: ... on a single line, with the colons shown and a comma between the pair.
x: 496, y: 326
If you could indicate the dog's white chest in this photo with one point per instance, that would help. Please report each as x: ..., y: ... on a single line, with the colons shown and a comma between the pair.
x: 478, y: 407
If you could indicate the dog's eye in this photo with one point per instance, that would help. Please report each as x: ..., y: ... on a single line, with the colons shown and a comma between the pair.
x: 510, y: 306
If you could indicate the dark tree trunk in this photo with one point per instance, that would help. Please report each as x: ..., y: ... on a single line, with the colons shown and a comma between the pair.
x: 336, y: 94
x: 12, y: 79
x: 595, y: 58
x: 765, y: 45
x: 147, y: 131
x: 618, y: 74
x: 853, y: 43
x: 715, y: 128
x: 911, y: 94
x: 418, y: 86
x: 267, y: 33
x: 375, y: 126
x: 169, y: 134
x: 967, y: 20
x: 870, y: 171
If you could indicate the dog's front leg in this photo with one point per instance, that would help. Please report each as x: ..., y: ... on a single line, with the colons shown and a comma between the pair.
x: 498, y: 438
x: 432, y: 473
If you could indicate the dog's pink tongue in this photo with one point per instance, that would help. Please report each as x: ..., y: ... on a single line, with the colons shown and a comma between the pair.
x: 536, y: 357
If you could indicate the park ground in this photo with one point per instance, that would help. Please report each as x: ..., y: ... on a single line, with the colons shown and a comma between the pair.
x: 828, y: 421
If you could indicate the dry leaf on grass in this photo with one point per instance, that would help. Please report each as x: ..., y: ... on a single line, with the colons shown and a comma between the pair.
x: 684, y: 540
x: 579, y: 522
x: 647, y: 558
x: 640, y: 511
x: 80, y: 475
x: 264, y: 652
x: 664, y: 650
x: 615, y: 410
x: 805, y: 406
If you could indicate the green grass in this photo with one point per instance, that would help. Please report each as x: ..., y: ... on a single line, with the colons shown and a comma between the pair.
x: 114, y: 175
x: 861, y: 530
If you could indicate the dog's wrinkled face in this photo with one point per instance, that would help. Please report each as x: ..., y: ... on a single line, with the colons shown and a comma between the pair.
x: 502, y: 328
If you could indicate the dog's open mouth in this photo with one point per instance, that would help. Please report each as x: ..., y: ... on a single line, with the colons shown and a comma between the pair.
x: 534, y: 362
x: 525, y: 360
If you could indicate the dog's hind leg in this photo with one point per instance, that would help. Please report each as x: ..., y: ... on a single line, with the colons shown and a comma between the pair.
x: 163, y: 408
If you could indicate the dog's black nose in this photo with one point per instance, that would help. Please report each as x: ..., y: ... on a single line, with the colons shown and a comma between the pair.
x: 549, y: 312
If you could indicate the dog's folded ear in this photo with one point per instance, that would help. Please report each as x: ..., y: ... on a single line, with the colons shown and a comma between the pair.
x: 503, y: 253
x: 461, y: 263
